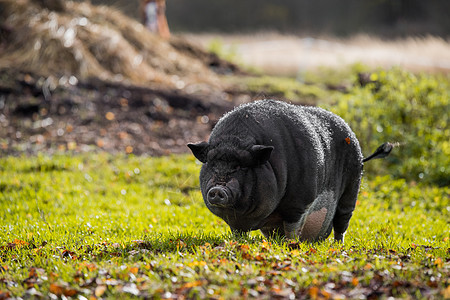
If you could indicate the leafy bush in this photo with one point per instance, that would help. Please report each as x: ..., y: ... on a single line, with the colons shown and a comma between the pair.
x: 410, y: 109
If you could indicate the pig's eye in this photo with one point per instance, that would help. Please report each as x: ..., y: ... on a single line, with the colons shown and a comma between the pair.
x: 239, y: 168
x: 236, y: 168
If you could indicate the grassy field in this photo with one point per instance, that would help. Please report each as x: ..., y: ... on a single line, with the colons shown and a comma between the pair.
x: 292, y: 55
x: 101, y: 226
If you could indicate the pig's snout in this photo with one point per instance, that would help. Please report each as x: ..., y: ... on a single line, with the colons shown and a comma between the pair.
x: 218, y: 196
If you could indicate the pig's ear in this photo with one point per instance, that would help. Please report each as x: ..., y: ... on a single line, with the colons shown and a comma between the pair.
x: 261, y: 153
x: 200, y: 150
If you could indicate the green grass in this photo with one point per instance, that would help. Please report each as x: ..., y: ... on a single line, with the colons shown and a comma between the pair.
x: 280, y: 88
x: 101, y: 226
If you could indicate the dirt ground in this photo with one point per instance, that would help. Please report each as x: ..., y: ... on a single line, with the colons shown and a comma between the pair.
x: 46, y: 115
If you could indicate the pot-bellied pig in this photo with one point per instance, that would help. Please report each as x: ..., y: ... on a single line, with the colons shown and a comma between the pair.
x: 284, y: 169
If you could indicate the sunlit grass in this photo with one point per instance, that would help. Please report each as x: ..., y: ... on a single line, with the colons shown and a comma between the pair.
x: 101, y: 225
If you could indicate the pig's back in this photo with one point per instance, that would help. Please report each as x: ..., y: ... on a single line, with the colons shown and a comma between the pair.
x: 307, y: 136
x: 268, y: 119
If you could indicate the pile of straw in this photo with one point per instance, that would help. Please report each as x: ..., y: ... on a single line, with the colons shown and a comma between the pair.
x: 90, y: 41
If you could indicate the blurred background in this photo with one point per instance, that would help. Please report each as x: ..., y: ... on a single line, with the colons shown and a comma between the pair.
x: 84, y: 76
x: 285, y: 37
x: 388, y: 18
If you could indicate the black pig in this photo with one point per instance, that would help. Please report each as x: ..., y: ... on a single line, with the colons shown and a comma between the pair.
x: 284, y: 169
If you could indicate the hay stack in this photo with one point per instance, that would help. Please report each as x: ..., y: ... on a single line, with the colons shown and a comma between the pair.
x: 90, y: 41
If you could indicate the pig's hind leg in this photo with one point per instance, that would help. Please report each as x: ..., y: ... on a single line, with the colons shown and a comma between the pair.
x: 316, y: 223
x: 345, y: 206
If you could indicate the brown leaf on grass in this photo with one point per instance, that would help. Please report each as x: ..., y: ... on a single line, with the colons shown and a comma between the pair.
x: 294, y: 245
x: 193, y: 284
x: 400, y: 283
x: 60, y: 290
x: 332, y: 251
x: 260, y: 257
x: 446, y: 292
x: 439, y: 262
x: 244, y: 292
x: 34, y: 272
x: 89, y: 266
x: 311, y: 251
x: 313, y: 292
x: 33, y: 277
x: 69, y: 254
x: 247, y: 256
x: 4, y: 295
x: 14, y: 244
x: 20, y: 242
x: 189, y: 285
x: 53, y: 276
x: 100, y: 290
x: 244, y: 247
x: 282, y: 266
x: 432, y: 283
x: 180, y: 244
x: 277, y: 293
x: 316, y: 293
x: 266, y: 246
x: 38, y: 249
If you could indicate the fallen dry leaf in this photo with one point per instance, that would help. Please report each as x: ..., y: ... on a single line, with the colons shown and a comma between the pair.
x: 129, y: 149
x: 192, y: 284
x: 446, y: 293
x: 4, y: 295
x: 110, y: 116
x: 60, y: 290
x: 246, y: 255
x: 313, y: 292
x: 100, y: 290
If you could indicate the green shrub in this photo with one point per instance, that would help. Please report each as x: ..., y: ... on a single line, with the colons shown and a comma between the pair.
x: 409, y: 109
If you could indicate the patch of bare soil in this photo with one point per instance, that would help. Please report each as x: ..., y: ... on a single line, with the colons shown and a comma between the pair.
x: 48, y: 114
x: 78, y: 77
